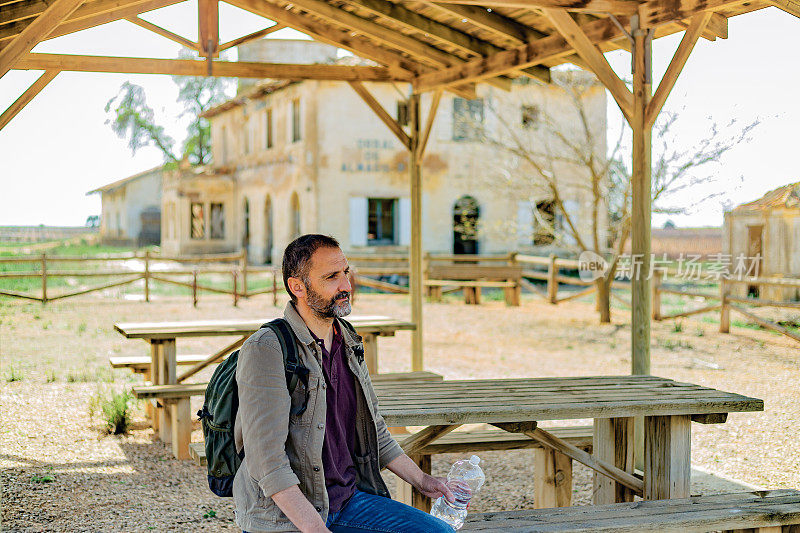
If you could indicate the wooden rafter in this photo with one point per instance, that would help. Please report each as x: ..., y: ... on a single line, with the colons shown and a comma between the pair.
x: 208, y: 27
x: 657, y: 12
x: 442, y: 32
x: 26, y: 97
x: 717, y: 27
x: 41, y: 26
x: 93, y: 14
x: 616, y: 7
x: 22, y: 10
x: 378, y: 109
x: 192, y: 67
x: 251, y: 37
x: 790, y: 6
x: 183, y: 41
x: 533, y: 53
x: 570, y: 30
x: 426, y: 133
x: 699, y: 22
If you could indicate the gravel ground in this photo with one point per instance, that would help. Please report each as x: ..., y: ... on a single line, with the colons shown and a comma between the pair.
x: 61, y: 472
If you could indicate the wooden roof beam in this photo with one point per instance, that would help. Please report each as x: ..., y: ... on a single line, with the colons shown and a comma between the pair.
x: 657, y: 12
x: 208, y: 27
x: 92, y: 14
x: 193, y: 67
x: 597, y: 62
x: 46, y: 77
x: 533, y: 53
x: 790, y: 6
x: 183, y: 41
x: 387, y: 36
x: 41, y: 26
x: 696, y: 27
x: 385, y: 117
x: 616, y: 7
x: 251, y: 37
x: 416, y: 22
x: 22, y: 10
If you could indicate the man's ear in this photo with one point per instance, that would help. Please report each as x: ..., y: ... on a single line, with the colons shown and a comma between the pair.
x: 297, y: 287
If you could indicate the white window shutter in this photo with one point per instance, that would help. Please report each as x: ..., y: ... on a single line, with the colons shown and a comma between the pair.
x: 524, y: 223
x: 358, y: 221
x: 405, y: 221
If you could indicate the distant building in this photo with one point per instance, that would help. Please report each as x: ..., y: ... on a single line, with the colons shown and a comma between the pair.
x: 299, y: 157
x: 770, y: 228
x: 131, y: 209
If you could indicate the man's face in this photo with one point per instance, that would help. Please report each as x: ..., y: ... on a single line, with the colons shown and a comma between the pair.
x: 328, y: 287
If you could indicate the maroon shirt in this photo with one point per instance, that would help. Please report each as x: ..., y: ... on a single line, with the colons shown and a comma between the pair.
x: 339, y: 443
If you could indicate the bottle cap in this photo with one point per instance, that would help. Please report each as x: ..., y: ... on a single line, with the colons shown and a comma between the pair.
x: 474, y: 459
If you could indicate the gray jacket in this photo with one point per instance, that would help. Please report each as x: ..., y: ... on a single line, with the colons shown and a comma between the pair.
x: 281, y: 449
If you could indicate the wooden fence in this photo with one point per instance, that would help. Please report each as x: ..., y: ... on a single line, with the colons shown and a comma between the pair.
x: 234, y: 264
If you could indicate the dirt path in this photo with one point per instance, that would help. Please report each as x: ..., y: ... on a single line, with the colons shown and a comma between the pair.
x: 61, y: 473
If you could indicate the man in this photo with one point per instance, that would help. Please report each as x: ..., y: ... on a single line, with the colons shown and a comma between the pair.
x: 318, y: 468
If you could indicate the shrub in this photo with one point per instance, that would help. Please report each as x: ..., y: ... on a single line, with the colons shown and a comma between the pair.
x: 115, y: 409
x: 50, y: 375
x: 14, y: 374
x: 677, y: 326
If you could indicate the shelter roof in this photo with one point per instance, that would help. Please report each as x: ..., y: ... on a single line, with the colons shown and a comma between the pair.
x: 786, y: 196
x: 125, y: 181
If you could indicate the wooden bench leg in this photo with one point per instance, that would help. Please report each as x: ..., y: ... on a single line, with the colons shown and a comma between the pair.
x: 149, y: 412
x: 552, y: 479
x: 667, y: 446
x: 469, y: 295
x: 477, y: 297
x: 181, y: 428
x: 371, y: 353
x: 165, y: 423
x: 613, y: 443
x: 436, y: 294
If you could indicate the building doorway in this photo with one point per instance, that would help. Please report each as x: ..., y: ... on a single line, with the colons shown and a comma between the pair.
x: 466, y: 215
x: 268, y: 230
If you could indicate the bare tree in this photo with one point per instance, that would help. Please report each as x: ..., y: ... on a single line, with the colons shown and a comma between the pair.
x: 567, y: 156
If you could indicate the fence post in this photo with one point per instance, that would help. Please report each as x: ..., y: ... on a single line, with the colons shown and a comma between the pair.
x: 235, y: 293
x: 274, y: 288
x: 725, y: 312
x: 552, y: 280
x: 243, y: 267
x: 44, y: 278
x: 656, y: 288
x: 147, y: 275
x: 194, y: 288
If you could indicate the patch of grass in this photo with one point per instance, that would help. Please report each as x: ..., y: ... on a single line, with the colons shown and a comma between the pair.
x: 672, y: 344
x: 81, y: 328
x: 14, y: 373
x: 677, y: 326
x: 79, y: 376
x: 46, y: 478
x: 114, y: 407
x: 211, y: 513
x: 50, y: 376
x: 699, y: 332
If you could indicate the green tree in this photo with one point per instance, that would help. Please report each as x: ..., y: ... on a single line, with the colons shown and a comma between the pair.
x: 133, y: 119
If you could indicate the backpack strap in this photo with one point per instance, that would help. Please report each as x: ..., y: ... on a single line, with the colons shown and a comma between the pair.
x: 294, y: 370
x: 359, y: 349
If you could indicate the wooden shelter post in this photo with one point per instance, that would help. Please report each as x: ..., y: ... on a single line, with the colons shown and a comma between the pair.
x: 641, y: 198
x: 415, y: 248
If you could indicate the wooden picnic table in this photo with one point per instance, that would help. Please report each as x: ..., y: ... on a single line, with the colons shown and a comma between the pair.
x: 516, y: 405
x: 162, y: 337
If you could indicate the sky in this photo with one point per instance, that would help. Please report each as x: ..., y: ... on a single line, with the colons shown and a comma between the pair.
x: 59, y: 146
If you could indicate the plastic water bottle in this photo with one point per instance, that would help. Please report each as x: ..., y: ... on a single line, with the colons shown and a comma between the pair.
x: 464, y: 480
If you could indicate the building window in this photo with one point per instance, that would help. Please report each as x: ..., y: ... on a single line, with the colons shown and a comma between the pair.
x: 217, y: 221
x: 198, y: 221
x: 381, y: 221
x: 402, y: 112
x: 268, y: 126
x: 467, y: 119
x: 544, y: 223
x: 296, y: 120
x: 530, y: 116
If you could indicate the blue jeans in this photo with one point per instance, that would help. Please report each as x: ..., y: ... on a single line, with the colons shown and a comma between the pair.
x: 365, y: 512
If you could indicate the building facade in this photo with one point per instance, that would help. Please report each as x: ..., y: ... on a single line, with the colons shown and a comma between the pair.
x: 131, y: 209
x: 300, y: 157
x: 767, y: 229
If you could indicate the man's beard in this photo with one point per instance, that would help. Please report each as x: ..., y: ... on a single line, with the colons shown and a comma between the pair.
x: 328, y: 308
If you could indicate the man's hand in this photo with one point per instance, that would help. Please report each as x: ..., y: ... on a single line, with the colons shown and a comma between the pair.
x: 428, y: 485
x: 433, y: 487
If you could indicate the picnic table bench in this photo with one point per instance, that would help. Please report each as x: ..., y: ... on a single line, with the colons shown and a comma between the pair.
x: 472, y: 278
x: 178, y: 397
x: 773, y: 511
x: 516, y: 405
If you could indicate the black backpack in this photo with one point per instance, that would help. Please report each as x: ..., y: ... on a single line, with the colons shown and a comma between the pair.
x: 221, y: 404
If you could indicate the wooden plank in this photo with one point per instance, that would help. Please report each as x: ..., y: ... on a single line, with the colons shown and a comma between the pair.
x: 181, y: 428
x: 24, y: 99
x: 710, y: 418
x: 790, y: 6
x: 378, y: 109
x: 208, y: 27
x: 613, y: 443
x: 183, y: 41
x: 35, y: 32
x: 371, y: 353
x: 693, y: 32
x: 616, y: 7
x: 415, y: 259
x: 658, y: 12
x: 15, y: 11
x: 381, y: 285
x: 667, y: 447
x: 552, y: 481
x: 570, y: 30
x: 141, y: 362
x: 423, y: 142
x: 764, y: 323
x: 210, y: 360
x: 698, y: 311
x: 495, y: 439
x: 422, y: 438
x: 190, y: 67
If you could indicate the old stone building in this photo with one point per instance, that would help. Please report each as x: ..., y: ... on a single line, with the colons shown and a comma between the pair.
x: 131, y: 209
x: 299, y: 157
x: 768, y: 228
